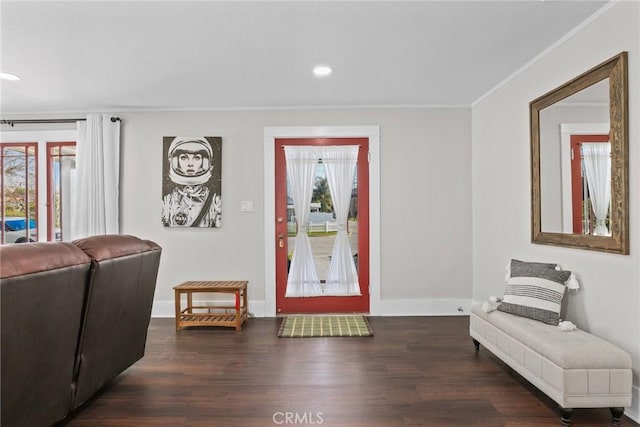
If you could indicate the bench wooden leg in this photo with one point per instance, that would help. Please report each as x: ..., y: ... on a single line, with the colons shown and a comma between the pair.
x: 617, y: 414
x: 565, y: 416
x: 476, y: 343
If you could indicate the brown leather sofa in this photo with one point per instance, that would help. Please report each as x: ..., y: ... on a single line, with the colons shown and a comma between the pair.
x: 73, y: 317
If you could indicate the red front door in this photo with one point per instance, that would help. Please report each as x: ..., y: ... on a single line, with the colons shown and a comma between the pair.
x: 329, y: 304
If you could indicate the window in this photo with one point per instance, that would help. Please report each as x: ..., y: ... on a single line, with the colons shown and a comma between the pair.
x: 37, y: 180
x: 61, y: 168
x: 19, y: 205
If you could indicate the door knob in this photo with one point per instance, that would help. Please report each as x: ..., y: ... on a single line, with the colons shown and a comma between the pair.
x: 281, y: 240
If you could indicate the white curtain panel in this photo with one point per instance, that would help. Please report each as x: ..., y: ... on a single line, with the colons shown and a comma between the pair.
x: 340, y: 167
x: 596, y: 158
x: 303, y: 278
x: 97, y: 177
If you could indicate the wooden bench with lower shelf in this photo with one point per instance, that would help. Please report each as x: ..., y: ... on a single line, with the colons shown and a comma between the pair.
x: 211, y: 315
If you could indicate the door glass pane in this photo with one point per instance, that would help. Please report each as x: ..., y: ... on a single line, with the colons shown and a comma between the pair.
x: 353, y: 219
x: 322, y: 223
x: 32, y: 199
x: 54, y: 168
x: 62, y: 161
x: 322, y: 227
x: 19, y: 211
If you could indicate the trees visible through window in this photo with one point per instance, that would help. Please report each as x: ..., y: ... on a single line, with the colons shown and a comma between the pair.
x: 37, y: 186
x: 19, y: 207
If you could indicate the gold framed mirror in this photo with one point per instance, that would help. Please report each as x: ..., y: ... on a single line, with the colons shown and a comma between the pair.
x: 579, y: 161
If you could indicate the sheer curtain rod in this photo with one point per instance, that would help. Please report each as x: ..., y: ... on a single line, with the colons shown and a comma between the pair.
x: 27, y: 121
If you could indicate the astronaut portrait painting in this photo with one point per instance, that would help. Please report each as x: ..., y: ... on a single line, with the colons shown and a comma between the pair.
x: 191, y: 188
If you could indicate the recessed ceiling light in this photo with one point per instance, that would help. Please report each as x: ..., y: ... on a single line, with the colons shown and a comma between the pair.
x: 9, y: 76
x: 322, y: 70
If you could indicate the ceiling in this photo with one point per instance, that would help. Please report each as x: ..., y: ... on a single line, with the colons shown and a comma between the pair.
x: 118, y: 56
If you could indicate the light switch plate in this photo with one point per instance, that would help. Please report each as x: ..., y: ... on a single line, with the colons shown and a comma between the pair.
x: 246, y: 206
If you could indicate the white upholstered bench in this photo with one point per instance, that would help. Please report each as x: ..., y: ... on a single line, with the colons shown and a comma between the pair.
x: 575, y: 369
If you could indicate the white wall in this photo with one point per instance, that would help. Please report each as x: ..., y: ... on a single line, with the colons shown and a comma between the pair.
x: 425, y: 201
x: 608, y: 303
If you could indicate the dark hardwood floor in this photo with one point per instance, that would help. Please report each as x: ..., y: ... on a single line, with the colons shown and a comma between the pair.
x: 415, y: 371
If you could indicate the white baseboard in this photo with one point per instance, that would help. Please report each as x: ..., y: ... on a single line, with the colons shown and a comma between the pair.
x: 633, y: 411
x: 401, y: 307
x: 163, y: 309
x: 425, y: 307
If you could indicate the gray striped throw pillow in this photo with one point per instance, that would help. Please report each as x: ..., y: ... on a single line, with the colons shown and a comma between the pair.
x: 535, y: 292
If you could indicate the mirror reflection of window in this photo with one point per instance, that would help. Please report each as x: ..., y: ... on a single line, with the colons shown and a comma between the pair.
x: 585, y: 149
x: 581, y: 112
x: 596, y: 197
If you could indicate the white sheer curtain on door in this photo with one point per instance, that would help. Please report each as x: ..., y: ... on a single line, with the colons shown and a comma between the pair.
x: 596, y: 158
x: 303, y: 278
x: 340, y: 166
x: 96, y: 206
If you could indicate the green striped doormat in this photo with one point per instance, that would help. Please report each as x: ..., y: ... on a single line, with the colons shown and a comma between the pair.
x: 325, y: 326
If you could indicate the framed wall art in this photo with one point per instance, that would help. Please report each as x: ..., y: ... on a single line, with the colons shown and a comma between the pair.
x: 191, y: 181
